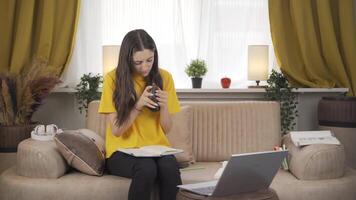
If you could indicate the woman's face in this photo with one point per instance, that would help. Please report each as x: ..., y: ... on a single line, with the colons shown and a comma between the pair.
x: 143, y: 61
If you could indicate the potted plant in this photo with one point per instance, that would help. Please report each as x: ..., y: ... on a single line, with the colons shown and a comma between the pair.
x: 87, y: 90
x: 196, y: 69
x: 20, y: 96
x: 279, y: 89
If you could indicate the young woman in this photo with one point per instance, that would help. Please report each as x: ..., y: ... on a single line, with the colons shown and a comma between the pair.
x: 127, y: 102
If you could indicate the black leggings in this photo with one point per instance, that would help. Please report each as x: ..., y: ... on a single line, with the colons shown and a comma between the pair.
x: 144, y: 172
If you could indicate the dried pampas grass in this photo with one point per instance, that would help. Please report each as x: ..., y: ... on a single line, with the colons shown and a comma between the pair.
x: 21, y: 95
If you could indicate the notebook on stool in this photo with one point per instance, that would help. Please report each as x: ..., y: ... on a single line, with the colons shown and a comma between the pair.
x: 246, y: 172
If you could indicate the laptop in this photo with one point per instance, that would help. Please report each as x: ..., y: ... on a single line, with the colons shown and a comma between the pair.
x: 243, y: 173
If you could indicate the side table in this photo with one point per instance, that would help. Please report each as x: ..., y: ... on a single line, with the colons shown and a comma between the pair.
x: 268, y: 194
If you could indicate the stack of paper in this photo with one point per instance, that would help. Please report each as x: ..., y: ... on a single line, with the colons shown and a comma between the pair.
x: 302, y: 138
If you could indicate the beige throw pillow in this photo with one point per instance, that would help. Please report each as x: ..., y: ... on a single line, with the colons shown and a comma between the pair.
x: 180, y: 135
x: 83, y: 149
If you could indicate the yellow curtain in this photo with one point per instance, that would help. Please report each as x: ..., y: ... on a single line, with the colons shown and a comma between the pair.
x: 315, y: 41
x: 36, y: 29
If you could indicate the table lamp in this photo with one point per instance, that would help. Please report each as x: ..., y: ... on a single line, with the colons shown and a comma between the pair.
x: 110, y: 57
x: 257, y: 63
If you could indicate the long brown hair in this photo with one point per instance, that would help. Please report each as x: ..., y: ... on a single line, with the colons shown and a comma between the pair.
x: 125, y: 96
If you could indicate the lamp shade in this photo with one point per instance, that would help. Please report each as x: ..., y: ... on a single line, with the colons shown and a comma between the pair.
x: 257, y: 62
x: 110, y: 57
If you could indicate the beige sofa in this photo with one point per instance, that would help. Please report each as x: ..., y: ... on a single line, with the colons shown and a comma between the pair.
x: 219, y: 129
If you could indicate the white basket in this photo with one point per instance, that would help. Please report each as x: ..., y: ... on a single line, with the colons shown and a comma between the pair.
x: 45, y: 136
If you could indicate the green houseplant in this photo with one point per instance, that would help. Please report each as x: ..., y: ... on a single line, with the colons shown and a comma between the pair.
x: 196, y: 69
x: 20, y: 96
x: 279, y: 89
x: 87, y: 90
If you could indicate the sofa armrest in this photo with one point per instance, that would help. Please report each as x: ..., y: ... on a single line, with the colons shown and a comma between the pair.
x: 40, y: 159
x: 96, y: 121
x: 315, y: 162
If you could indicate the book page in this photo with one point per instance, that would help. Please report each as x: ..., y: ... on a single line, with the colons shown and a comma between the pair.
x: 151, y: 151
x: 158, y: 149
x: 138, y: 152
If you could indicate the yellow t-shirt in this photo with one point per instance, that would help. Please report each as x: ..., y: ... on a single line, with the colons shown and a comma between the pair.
x: 146, y: 129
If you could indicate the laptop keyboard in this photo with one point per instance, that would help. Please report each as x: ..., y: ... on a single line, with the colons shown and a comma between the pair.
x: 205, y: 190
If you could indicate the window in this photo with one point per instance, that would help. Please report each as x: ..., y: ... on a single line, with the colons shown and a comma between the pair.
x: 217, y: 31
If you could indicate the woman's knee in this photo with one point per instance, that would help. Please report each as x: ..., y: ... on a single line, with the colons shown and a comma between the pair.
x: 168, y: 172
x: 167, y: 163
x: 145, y: 169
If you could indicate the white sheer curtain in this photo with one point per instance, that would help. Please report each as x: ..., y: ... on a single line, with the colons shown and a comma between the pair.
x: 87, y: 55
x: 227, y: 28
x: 218, y: 31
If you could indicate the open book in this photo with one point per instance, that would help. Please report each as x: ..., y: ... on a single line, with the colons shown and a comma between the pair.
x: 302, y: 138
x: 151, y: 151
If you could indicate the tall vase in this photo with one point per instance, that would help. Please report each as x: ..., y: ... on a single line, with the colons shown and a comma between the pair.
x: 11, y: 136
x: 196, y: 82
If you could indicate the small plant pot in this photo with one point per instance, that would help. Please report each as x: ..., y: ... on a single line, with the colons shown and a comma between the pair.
x: 196, y: 82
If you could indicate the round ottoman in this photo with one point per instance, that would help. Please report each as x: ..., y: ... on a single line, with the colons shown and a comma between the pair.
x: 39, y: 159
x: 338, y: 114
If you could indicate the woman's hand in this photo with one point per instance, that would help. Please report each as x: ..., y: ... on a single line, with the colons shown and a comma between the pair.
x: 162, y: 98
x: 165, y: 117
x: 144, y: 99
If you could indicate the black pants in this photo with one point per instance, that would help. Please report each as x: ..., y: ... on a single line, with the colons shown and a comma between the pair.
x: 144, y: 172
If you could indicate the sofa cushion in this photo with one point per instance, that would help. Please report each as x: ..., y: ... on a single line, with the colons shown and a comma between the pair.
x: 96, y: 121
x: 315, y: 162
x: 39, y: 159
x: 73, y: 185
x: 180, y: 135
x: 83, y: 149
x: 221, y: 129
x: 199, y: 172
x: 289, y: 187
